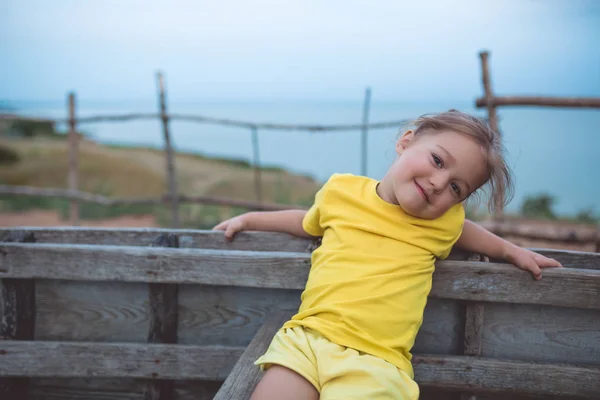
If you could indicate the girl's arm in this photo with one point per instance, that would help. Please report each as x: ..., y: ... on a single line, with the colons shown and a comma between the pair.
x: 288, y: 221
x: 477, y: 239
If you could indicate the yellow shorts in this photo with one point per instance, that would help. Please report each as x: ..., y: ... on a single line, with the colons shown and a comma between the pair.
x: 336, y: 371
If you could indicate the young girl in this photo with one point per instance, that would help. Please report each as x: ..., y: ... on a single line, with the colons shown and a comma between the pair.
x: 368, y: 285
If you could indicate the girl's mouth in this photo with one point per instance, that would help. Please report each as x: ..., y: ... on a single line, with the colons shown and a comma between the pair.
x: 422, y: 192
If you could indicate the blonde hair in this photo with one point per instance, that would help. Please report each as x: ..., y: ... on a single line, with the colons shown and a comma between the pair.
x: 499, y: 183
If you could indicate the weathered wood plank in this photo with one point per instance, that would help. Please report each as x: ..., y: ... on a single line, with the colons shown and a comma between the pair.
x: 142, y: 264
x: 188, y: 238
x: 244, y: 376
x: 119, y: 312
x: 441, y: 330
x: 72, y: 360
x: 114, y: 389
x: 17, y: 320
x: 461, y: 280
x: 227, y: 315
x: 163, y: 321
x: 485, y: 375
x: 115, y: 360
x: 542, y: 334
x: 92, y: 311
x: 251, y: 241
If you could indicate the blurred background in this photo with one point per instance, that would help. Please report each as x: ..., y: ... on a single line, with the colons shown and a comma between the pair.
x: 304, y: 63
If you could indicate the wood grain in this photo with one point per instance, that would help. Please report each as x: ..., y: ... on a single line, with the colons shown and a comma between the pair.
x: 542, y: 334
x: 17, y: 320
x: 115, y: 389
x: 244, y: 376
x: 440, y: 332
x: 251, y: 241
x: 158, y: 361
x: 478, y: 374
x: 462, y: 280
x: 227, y: 315
x: 92, y: 311
x: 163, y: 320
x: 114, y: 360
x: 188, y: 238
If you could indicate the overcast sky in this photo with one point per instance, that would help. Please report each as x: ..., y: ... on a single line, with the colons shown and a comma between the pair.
x: 303, y: 49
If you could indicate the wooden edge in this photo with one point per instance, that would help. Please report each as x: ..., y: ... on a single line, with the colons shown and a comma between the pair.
x: 244, y: 376
x: 480, y: 375
x: 253, y: 241
x: 17, y: 317
x: 460, y: 280
x: 163, y: 310
x: 188, y: 238
x: 50, y: 359
x: 43, y: 359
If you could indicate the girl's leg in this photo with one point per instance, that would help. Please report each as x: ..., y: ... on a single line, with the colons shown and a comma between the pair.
x: 280, y: 383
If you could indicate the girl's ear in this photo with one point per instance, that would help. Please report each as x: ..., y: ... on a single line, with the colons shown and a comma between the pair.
x: 404, y: 141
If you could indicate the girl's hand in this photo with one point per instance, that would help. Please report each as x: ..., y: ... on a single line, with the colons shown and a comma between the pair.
x: 232, y: 226
x: 530, y: 261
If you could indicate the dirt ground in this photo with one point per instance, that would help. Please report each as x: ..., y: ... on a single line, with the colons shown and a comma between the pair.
x: 52, y: 218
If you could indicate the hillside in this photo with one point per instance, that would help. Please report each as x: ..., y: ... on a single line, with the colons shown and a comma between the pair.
x: 132, y: 172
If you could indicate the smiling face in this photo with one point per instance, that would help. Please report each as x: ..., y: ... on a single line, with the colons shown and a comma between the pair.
x: 435, y: 171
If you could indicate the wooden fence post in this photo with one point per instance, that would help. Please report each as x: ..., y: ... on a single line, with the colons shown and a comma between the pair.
x: 474, y: 317
x: 365, y: 130
x: 163, y: 322
x: 256, y: 162
x: 491, y: 107
x: 17, y: 318
x: 73, y: 177
x: 171, y: 178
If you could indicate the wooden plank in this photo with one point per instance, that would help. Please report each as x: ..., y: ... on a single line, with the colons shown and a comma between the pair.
x: 253, y: 241
x: 573, y: 259
x: 485, y: 375
x: 244, y: 376
x: 462, y: 280
x: 188, y: 238
x: 17, y: 320
x: 92, y: 311
x: 575, y: 102
x: 140, y: 264
x: 504, y: 283
x: 163, y: 361
x: 163, y: 321
x: 115, y: 389
x: 228, y: 315
x: 542, y: 334
x: 441, y: 330
x: 116, y: 360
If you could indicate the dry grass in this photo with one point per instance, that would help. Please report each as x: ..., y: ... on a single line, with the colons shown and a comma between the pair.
x: 124, y: 172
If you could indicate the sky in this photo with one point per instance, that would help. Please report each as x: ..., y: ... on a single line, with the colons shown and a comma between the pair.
x: 296, y: 50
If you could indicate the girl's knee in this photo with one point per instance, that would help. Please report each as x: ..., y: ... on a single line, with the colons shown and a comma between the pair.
x: 282, y: 383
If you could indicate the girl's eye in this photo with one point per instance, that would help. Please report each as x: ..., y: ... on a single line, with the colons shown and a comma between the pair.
x: 455, y: 188
x: 438, y: 161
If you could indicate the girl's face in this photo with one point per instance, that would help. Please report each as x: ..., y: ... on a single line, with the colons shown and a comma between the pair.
x: 434, y: 172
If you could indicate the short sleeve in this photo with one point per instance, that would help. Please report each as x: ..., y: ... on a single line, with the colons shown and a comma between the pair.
x: 455, y: 228
x: 312, y: 220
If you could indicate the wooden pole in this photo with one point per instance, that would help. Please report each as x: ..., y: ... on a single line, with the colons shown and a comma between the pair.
x: 365, y: 129
x: 73, y: 178
x: 487, y: 87
x: 567, y: 102
x: 171, y: 179
x: 492, y: 117
x: 256, y: 162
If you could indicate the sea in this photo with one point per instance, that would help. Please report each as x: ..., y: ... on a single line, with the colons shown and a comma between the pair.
x: 550, y: 150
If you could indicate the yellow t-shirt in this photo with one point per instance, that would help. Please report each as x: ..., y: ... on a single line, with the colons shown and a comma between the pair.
x: 370, y: 278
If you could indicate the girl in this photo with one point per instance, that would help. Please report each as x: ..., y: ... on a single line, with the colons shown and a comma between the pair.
x: 368, y: 285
